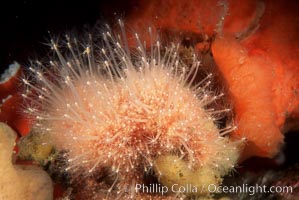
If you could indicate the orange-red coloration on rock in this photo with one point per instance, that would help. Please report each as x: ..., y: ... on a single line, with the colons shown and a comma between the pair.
x: 191, y: 16
x: 10, y: 103
x: 263, y: 79
x: 270, y: 66
x: 11, y: 114
x: 250, y: 79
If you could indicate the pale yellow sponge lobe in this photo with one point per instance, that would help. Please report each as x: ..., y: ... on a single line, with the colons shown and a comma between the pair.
x: 20, y: 182
x: 174, y: 173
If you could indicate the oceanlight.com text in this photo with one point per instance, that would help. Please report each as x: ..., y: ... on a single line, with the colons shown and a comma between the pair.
x: 211, y: 188
x: 250, y: 189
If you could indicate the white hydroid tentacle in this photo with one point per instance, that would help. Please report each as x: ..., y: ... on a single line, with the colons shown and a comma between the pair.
x: 121, y: 108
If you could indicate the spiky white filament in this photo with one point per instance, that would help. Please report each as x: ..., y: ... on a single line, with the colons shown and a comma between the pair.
x: 121, y: 108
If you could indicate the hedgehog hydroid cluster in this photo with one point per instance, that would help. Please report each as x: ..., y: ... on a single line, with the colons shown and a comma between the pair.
x: 118, y: 110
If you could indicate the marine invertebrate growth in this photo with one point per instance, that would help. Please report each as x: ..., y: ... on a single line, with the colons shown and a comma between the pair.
x: 256, y: 54
x: 10, y: 99
x: 17, y: 181
x: 117, y: 110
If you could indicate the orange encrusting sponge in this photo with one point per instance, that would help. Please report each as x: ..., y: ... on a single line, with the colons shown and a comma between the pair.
x: 261, y: 73
x: 250, y: 81
x: 260, y: 69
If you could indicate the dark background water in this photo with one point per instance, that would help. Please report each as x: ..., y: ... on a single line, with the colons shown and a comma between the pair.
x: 25, y: 24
